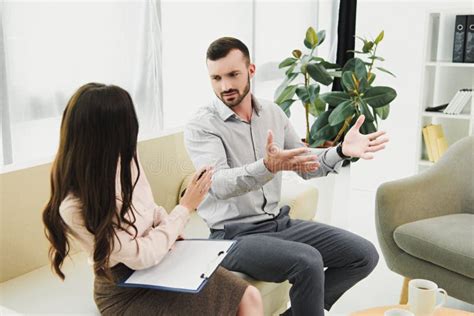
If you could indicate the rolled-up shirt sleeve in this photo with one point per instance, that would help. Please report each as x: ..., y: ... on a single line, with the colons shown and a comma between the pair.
x: 206, y: 148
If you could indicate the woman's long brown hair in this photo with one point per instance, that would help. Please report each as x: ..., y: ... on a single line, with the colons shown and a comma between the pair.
x: 99, y: 129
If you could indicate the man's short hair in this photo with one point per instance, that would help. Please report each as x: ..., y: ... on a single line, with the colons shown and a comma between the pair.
x: 222, y: 46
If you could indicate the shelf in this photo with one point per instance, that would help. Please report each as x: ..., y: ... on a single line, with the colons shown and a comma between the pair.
x: 426, y: 163
x: 450, y: 64
x: 447, y: 116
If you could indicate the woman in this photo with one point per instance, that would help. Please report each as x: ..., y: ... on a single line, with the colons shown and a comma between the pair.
x: 101, y: 198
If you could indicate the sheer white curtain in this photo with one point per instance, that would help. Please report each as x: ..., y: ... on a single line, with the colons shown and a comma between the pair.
x: 51, y: 48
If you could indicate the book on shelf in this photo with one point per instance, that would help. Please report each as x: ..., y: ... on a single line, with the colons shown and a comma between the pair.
x: 463, y: 43
x: 435, y: 141
x: 459, y: 102
x: 469, y: 41
x: 459, y: 38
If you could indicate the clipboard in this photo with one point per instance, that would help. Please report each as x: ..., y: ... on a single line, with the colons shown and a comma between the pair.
x: 186, y: 268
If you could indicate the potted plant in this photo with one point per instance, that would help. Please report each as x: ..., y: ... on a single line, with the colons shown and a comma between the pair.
x: 304, y: 75
x: 336, y: 111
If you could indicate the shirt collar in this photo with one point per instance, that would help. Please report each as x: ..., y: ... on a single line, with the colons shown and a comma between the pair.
x: 225, y: 112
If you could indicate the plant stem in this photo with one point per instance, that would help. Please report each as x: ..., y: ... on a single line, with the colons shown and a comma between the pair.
x: 372, y: 63
x: 343, y: 129
x: 306, y: 107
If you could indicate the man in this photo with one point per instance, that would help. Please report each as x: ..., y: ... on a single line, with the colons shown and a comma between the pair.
x: 249, y: 141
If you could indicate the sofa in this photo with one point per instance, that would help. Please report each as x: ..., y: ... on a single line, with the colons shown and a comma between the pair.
x: 27, y: 283
x: 425, y: 223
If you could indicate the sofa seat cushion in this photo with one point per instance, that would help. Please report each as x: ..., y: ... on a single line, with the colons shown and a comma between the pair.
x: 447, y: 241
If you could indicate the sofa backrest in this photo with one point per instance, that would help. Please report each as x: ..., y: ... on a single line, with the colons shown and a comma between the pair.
x: 24, y: 193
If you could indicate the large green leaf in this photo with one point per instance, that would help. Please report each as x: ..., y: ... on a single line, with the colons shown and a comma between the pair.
x: 311, y: 37
x: 347, y: 81
x: 363, y: 85
x: 313, y: 92
x: 321, y: 121
x: 334, y: 98
x: 319, y: 106
x: 319, y: 74
x: 287, y: 62
x: 284, y: 84
x: 364, y: 109
x: 367, y: 128
x: 302, y: 94
x: 379, y: 96
x: 349, y: 65
x: 372, y: 78
x: 329, y: 65
x: 285, y: 106
x: 341, y: 112
x: 286, y: 94
x: 359, y: 69
x: 325, y: 133
x: 383, y: 111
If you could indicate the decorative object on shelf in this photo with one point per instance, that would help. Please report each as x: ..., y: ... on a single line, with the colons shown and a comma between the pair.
x: 459, y: 38
x: 358, y: 97
x: 469, y: 44
x: 438, y: 108
x: 435, y: 141
x: 459, y: 102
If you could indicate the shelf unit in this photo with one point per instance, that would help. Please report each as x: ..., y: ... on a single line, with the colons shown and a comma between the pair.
x: 441, y: 79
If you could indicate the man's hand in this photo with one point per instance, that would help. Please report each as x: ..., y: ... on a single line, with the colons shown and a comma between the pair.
x: 362, y: 146
x: 297, y: 159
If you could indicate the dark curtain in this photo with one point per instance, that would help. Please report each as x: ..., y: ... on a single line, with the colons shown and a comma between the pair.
x: 345, y: 35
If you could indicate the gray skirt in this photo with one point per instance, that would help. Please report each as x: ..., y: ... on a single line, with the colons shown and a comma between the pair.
x: 220, y: 296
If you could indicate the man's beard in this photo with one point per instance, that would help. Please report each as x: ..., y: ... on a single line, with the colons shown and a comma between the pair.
x: 239, y: 97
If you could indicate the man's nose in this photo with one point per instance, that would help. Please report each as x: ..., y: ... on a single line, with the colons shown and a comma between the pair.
x: 225, y: 85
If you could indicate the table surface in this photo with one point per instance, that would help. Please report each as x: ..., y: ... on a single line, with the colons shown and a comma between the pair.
x: 378, y: 311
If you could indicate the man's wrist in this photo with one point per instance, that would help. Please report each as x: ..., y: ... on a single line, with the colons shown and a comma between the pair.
x: 340, y: 153
x: 266, y: 164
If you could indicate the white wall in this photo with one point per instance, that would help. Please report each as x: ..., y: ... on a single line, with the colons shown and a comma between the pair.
x: 188, y: 28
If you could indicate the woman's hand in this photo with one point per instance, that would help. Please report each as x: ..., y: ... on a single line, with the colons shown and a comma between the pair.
x: 197, y: 188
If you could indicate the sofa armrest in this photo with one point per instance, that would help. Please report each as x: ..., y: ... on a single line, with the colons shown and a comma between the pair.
x: 302, y: 198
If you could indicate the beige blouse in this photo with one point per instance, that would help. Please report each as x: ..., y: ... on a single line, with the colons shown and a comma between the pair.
x: 157, y: 230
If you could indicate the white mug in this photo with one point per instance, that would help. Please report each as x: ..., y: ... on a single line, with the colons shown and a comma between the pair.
x: 422, y: 297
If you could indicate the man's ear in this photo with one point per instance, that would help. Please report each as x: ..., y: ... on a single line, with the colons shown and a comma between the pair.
x: 252, y: 70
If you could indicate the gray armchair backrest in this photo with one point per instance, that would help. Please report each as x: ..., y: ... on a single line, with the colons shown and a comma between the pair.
x: 456, y: 167
x: 445, y: 188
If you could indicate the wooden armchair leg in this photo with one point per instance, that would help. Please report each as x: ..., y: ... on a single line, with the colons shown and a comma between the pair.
x: 404, y: 295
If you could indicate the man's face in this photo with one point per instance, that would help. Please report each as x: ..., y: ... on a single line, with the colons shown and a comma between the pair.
x: 230, y: 77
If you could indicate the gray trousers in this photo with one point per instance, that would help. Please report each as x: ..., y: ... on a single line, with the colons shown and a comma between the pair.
x: 299, y: 251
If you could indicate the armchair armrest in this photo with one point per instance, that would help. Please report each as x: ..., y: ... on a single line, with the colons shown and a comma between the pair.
x: 300, y: 196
